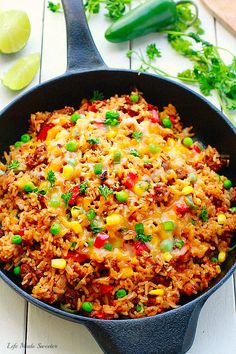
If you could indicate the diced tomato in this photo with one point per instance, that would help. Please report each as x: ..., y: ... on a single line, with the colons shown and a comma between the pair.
x: 77, y: 257
x: 93, y: 108
x: 196, y: 148
x: 22, y: 231
x: 44, y: 131
x: 100, y: 240
x: 152, y: 107
x: 181, y: 208
x: 140, y: 247
x: 75, y: 193
x: 106, y: 288
x: 155, y: 116
x: 131, y: 180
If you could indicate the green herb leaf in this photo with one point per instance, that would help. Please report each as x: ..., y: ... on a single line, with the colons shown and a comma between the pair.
x: 14, y: 165
x: 153, y: 52
x: 51, y: 177
x: 54, y: 7
x: 137, y: 135
x: 97, y: 96
x: 83, y: 187
x: 66, y: 197
x: 105, y: 191
x: 93, y: 141
x: 134, y: 152
x: 95, y: 228
x: 178, y: 243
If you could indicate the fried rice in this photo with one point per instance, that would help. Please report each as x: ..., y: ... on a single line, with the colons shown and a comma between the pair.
x: 113, y: 209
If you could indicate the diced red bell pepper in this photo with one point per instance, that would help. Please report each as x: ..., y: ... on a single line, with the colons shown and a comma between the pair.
x: 196, y: 148
x: 77, y: 257
x: 140, y: 247
x: 100, y: 315
x: 155, y: 116
x: 75, y: 193
x: 181, y: 208
x: 173, y: 119
x: 100, y: 240
x: 131, y: 180
x: 106, y: 288
x: 93, y: 108
x: 44, y: 131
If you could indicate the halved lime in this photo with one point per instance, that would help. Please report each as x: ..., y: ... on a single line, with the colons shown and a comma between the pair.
x: 22, y: 72
x: 14, y: 31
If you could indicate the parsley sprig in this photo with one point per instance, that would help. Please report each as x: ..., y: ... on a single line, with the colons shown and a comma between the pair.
x: 97, y: 96
x: 66, y: 197
x: 204, y: 215
x: 137, y: 135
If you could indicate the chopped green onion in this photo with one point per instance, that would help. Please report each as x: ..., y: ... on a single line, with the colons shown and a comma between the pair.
x: 137, y: 135
x: 167, y: 245
x: 169, y: 225
x: 93, y: 141
x: 153, y: 148
x: 117, y: 157
x: 108, y: 247
x: 98, y: 169
x: 55, y: 202
x: 91, y: 214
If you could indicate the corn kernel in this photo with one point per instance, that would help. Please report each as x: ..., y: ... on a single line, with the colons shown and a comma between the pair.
x: 114, y: 219
x: 221, y: 256
x: 143, y: 149
x: 77, y: 170
x: 159, y: 292
x: 111, y: 134
x: 187, y: 190
x: 55, y: 165
x: 68, y: 171
x: 167, y: 256
x: 138, y: 190
x: 76, y: 227
x: 22, y: 181
x: 58, y: 263
x: 75, y: 212
x: 218, y: 269
x: 221, y: 218
x: 53, y: 132
x: 198, y: 201
x: 126, y: 273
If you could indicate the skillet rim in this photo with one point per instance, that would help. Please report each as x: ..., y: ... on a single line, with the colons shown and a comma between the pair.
x: 202, y: 297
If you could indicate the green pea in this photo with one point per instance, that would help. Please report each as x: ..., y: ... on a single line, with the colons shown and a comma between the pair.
x: 227, y: 184
x: 17, y: 270
x: 122, y: 196
x: 87, y: 306
x: 55, y: 228
x: 188, y: 141
x: 25, y: 138
x: 98, y: 169
x: 154, y: 148
x: 192, y: 177
x: 134, y: 98
x: 214, y: 260
x: 90, y: 242
x: 166, y: 122
x: 18, y: 144
x: 233, y: 209
x: 71, y: 146
x: 121, y: 293
x: 74, y: 117
x: 167, y: 245
x: 55, y: 202
x: 146, y: 159
x: 29, y: 187
x: 169, y: 225
x: 16, y: 239
x: 108, y: 247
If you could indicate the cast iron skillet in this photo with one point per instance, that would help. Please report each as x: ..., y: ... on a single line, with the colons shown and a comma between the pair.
x: 171, y: 332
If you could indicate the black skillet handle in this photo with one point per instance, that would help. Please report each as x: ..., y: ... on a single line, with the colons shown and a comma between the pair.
x: 82, y: 53
x: 169, y: 333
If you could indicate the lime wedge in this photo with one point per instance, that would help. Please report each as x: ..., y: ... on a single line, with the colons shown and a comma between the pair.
x: 14, y: 31
x: 22, y: 72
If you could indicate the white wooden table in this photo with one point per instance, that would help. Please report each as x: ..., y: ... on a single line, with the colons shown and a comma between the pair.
x: 24, y: 329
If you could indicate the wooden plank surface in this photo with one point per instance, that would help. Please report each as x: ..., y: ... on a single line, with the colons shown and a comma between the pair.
x: 217, y: 323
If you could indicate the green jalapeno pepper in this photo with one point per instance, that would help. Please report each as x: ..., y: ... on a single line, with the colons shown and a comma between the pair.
x: 151, y: 16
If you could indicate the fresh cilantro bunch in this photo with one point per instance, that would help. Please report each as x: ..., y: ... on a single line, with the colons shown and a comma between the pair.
x: 209, y: 71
